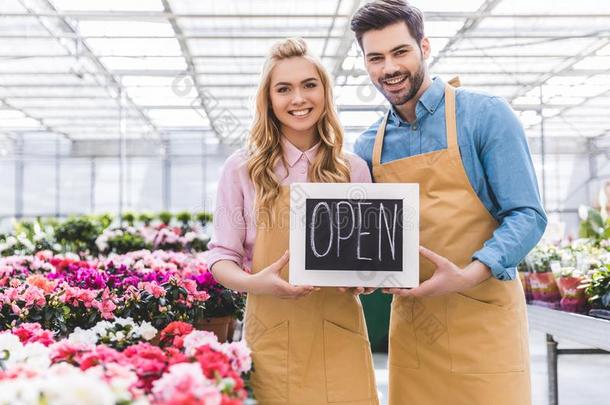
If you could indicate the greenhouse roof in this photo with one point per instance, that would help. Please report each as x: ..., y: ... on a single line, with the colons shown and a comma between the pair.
x: 149, y: 68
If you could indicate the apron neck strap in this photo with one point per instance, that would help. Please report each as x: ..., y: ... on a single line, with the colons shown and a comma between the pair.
x: 450, y: 123
x: 379, y: 140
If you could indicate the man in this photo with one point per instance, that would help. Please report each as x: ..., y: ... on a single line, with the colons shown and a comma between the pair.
x: 460, y: 338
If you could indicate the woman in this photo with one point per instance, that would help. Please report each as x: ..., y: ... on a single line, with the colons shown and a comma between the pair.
x: 312, y: 348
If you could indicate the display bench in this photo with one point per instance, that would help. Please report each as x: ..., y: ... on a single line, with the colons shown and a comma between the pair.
x: 582, y: 329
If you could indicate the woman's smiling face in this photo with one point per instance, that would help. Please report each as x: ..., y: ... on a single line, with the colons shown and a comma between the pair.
x: 297, y: 95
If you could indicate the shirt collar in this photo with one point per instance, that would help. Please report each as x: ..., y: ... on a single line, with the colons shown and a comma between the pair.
x: 428, y: 102
x: 292, y: 154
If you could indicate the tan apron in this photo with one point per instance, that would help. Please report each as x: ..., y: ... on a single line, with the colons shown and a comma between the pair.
x: 459, y: 349
x: 312, y: 350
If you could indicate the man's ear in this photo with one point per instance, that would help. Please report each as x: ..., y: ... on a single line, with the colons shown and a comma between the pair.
x: 425, y: 47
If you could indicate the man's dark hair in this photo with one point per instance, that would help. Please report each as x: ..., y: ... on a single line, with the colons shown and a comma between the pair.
x: 379, y: 14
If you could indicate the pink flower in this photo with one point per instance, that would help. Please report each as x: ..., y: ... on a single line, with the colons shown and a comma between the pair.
x: 239, y: 353
x: 15, y: 308
x: 184, y: 384
x: 75, y: 296
x: 67, y: 351
x: 34, y: 296
x: 153, y: 289
x: 106, y: 306
x: 40, y: 281
x: 33, y: 332
x: 101, y: 355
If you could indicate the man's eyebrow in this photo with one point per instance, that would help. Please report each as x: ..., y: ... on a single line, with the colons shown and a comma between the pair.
x: 396, y: 48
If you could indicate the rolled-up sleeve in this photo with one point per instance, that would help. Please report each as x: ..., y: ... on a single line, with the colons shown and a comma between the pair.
x: 229, y: 224
x: 505, y: 156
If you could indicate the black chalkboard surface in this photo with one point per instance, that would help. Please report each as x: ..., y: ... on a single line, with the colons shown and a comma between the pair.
x: 347, y: 234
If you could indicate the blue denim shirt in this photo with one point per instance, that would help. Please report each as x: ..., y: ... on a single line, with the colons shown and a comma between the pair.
x: 495, y: 155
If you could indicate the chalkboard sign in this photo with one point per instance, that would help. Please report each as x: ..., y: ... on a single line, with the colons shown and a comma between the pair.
x: 363, y: 235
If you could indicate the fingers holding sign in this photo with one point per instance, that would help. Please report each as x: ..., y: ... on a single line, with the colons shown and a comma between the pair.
x: 357, y: 290
x: 447, y: 278
x: 270, y: 282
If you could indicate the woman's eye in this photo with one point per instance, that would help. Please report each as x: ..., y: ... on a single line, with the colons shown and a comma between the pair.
x: 310, y: 85
x: 282, y: 90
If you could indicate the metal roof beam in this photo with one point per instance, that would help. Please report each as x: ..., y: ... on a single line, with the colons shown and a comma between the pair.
x: 92, y: 57
x: 160, y: 15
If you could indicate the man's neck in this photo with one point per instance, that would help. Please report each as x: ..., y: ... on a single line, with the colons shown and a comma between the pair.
x: 406, y: 111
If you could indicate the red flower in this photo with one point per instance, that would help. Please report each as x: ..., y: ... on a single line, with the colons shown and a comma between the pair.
x: 212, y: 363
x: 174, y: 333
x: 175, y: 356
x: 148, y: 361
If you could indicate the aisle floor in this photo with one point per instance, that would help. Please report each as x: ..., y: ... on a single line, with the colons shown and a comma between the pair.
x: 583, y: 379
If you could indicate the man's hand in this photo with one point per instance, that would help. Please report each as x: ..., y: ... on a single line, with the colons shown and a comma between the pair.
x: 447, y: 278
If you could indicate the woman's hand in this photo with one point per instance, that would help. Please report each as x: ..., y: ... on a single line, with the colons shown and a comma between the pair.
x: 269, y: 282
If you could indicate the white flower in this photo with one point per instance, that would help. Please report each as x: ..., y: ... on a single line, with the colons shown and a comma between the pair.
x: 125, y: 321
x: 199, y: 338
x: 88, y: 337
x: 11, y: 349
x: 119, y: 377
x: 147, y: 331
x: 37, y: 356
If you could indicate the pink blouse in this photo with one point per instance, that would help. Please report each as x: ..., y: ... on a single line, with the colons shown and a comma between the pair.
x: 234, y: 222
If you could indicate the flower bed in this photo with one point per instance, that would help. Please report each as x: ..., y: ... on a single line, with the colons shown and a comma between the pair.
x: 63, y: 292
x: 188, y: 367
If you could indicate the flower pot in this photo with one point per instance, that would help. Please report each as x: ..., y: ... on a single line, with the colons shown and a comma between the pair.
x: 544, y: 287
x: 527, y: 286
x: 572, y: 298
x: 219, y: 326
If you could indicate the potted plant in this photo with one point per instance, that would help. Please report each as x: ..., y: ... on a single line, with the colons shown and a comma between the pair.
x: 165, y: 217
x: 78, y: 235
x: 184, y: 217
x: 541, y: 261
x: 146, y: 218
x: 129, y: 217
x: 222, y: 309
x: 203, y: 218
x: 572, y: 297
x: 597, y: 290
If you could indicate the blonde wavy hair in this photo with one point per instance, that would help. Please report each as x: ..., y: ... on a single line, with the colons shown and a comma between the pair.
x: 264, y: 143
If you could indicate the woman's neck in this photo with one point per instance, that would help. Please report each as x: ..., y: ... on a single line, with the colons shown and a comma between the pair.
x: 302, y: 140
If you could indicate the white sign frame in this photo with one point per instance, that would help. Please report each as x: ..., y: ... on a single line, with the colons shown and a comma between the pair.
x: 407, y: 192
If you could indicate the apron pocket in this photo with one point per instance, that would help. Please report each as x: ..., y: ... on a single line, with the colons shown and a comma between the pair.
x: 269, y: 377
x: 403, y: 341
x: 483, y: 337
x: 349, y: 369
